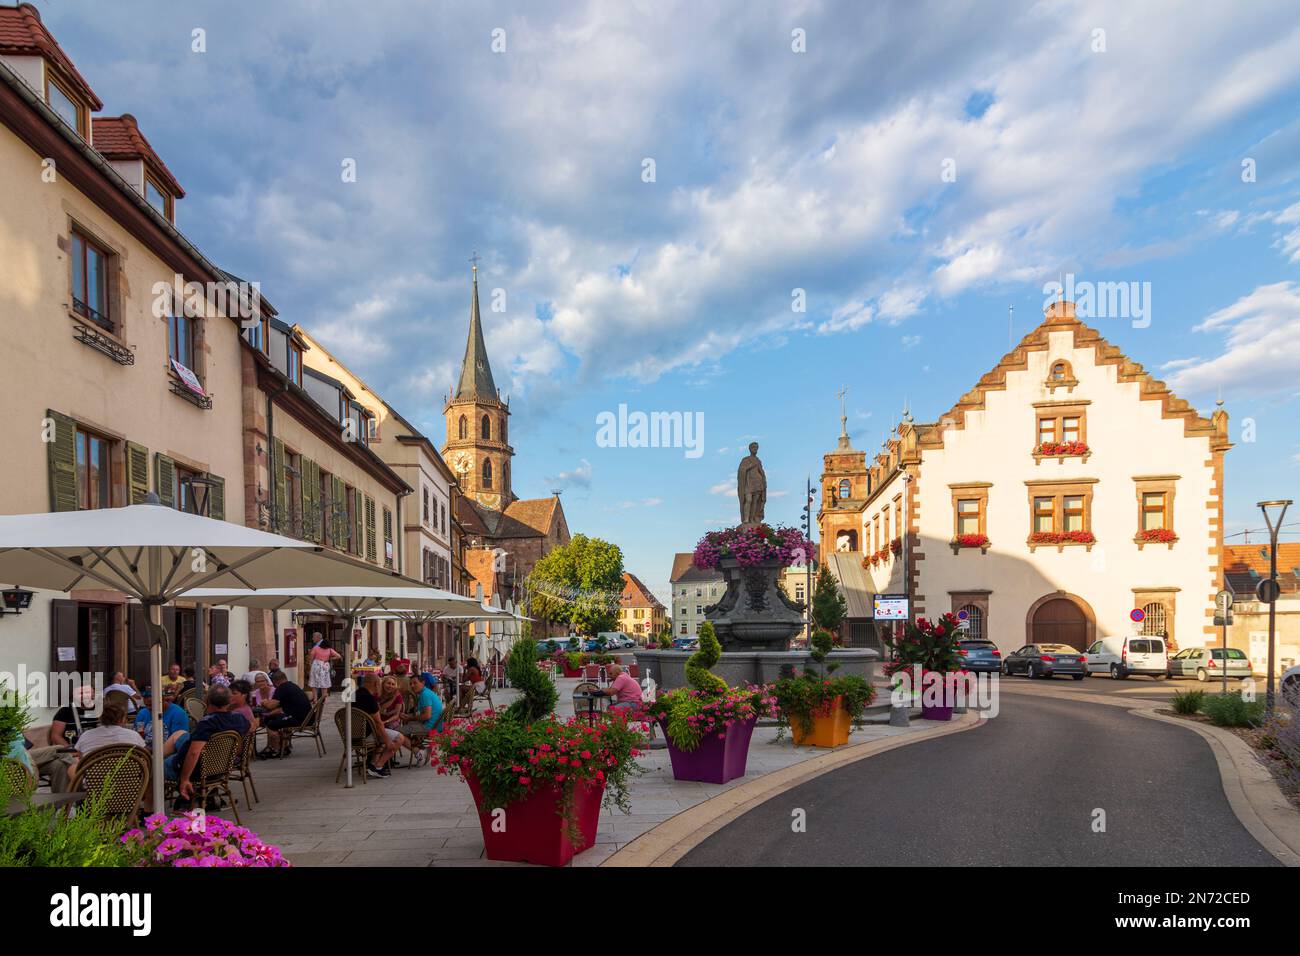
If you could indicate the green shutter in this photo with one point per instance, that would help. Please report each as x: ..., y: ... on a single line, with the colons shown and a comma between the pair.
x: 137, y: 472
x: 61, y: 450
x: 311, y: 500
x: 388, y: 539
x: 372, y: 553
x: 217, y: 497
x: 279, y: 487
x: 338, y: 509
x: 164, y: 479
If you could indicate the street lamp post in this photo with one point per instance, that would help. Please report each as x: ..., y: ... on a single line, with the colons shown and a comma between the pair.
x: 1268, y: 590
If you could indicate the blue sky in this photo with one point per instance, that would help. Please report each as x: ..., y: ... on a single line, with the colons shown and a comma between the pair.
x: 1115, y: 156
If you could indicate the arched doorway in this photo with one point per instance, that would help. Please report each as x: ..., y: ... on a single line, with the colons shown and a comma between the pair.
x: 1059, y: 619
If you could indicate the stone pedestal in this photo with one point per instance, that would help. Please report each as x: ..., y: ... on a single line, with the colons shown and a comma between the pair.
x: 668, y: 668
x: 754, y: 614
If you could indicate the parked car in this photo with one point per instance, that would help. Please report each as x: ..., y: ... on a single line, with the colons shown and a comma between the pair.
x: 1290, y: 686
x: 1123, y: 654
x: 981, y: 655
x: 1207, y: 663
x: 685, y: 643
x: 1046, y: 660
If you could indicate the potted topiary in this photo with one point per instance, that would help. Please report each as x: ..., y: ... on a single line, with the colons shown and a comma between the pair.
x: 538, y: 781
x: 817, y: 707
x: 572, y: 663
x: 931, y: 652
x: 708, y: 724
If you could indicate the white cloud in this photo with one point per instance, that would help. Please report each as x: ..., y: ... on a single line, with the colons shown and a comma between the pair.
x: 727, y: 487
x: 1261, y: 353
x: 579, y: 477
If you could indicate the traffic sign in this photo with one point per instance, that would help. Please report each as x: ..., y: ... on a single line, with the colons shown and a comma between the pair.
x: 1223, y: 600
x: 1267, y: 590
x: 1223, y: 619
x: 1137, y: 615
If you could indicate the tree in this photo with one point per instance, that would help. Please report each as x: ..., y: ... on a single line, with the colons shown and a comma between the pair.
x: 578, y: 584
x: 828, y: 605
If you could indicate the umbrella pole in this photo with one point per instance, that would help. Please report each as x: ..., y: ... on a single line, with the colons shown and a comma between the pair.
x: 347, y: 676
x: 156, y: 704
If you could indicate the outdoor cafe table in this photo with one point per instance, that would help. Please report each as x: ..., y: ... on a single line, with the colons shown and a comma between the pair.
x: 17, y: 805
x: 591, y: 699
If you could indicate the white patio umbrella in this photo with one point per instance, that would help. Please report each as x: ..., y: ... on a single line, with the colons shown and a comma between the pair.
x: 154, y: 554
x: 351, y: 603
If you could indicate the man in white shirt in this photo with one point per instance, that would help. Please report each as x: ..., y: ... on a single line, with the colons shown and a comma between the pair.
x: 250, y: 675
x: 127, y: 687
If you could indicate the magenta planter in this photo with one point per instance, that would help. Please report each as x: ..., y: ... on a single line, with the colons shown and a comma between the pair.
x: 936, y: 713
x: 716, y: 759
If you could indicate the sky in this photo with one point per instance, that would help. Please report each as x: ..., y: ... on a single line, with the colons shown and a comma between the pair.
x: 733, y: 210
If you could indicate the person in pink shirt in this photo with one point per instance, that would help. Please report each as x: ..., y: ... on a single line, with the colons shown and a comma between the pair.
x: 622, y: 687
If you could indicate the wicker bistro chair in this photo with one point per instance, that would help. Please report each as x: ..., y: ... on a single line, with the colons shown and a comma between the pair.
x: 195, y: 707
x: 119, y: 773
x: 310, y: 727
x: 485, y: 694
x: 243, y: 769
x: 19, y: 781
x: 185, y: 697
x: 580, y: 706
x: 218, y: 759
x: 363, y: 741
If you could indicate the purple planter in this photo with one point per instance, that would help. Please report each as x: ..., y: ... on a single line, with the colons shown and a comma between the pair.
x: 715, y: 760
x: 936, y: 713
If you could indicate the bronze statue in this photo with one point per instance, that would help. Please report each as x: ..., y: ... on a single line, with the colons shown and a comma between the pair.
x: 751, y: 487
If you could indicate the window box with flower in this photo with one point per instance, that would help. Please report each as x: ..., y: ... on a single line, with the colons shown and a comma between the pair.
x: 1062, y: 539
x: 1155, y: 536
x: 961, y: 541
x: 1061, y: 450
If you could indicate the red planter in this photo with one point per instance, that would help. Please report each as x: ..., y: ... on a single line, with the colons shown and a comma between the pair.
x: 572, y: 671
x: 534, y: 831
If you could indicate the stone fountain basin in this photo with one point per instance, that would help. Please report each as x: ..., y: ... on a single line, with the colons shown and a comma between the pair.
x: 668, y: 668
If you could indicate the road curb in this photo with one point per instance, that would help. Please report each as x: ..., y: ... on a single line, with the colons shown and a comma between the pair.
x: 1253, y: 795
x: 674, y: 838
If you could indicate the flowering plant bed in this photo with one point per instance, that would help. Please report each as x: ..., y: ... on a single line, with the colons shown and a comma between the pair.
x: 194, y: 839
x: 819, y: 706
x: 1062, y: 538
x: 708, y: 724
x: 752, y: 545
x: 524, y: 755
x: 933, y: 645
x: 1155, y: 536
x: 980, y: 541
x: 1062, y: 449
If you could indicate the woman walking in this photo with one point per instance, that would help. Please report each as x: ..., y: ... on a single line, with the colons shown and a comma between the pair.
x: 322, y: 657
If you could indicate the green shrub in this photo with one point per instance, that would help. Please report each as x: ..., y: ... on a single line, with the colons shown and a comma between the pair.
x: 13, y: 717
x: 1188, y: 701
x: 665, y: 642
x: 1230, y: 710
x: 539, y: 694
x: 43, y: 836
x: 698, y: 674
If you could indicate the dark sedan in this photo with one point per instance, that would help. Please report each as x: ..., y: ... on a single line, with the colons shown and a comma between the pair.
x: 980, y: 656
x: 1047, y: 660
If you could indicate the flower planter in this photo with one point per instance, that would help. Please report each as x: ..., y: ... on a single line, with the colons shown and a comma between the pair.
x: 936, y: 713
x: 828, y: 730
x: 572, y: 671
x: 534, y: 831
x: 716, y: 759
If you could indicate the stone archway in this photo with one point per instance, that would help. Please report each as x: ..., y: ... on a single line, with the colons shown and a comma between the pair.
x: 1061, y: 618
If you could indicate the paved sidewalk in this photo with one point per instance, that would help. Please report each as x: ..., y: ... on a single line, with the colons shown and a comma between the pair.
x: 419, y: 818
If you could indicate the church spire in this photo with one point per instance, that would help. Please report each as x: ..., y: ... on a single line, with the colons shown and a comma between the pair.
x: 844, y: 444
x: 475, y: 372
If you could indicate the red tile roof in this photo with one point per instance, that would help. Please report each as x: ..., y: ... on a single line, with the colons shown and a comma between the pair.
x: 23, y: 34
x: 1244, y: 565
x: 119, y: 137
x: 636, y: 594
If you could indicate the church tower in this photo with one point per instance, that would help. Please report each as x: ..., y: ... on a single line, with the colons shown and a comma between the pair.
x: 477, y: 445
x: 845, y: 486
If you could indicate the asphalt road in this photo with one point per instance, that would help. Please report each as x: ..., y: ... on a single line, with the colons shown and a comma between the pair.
x: 1019, y: 791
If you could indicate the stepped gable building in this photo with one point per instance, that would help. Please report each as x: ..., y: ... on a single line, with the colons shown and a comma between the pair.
x: 507, y: 535
x: 1064, y: 490
x: 640, y: 613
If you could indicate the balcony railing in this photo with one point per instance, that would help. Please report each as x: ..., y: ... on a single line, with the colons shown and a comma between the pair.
x: 100, y: 342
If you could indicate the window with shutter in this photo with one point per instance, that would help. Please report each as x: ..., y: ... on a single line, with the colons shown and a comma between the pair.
x: 137, y: 472
x: 310, y: 500
x: 280, y: 488
x: 164, y: 479
x: 388, y: 538
x: 338, y: 504
x: 372, y: 548
x: 61, y: 451
x: 217, y: 497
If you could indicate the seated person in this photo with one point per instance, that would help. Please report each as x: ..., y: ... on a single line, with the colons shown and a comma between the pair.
x: 262, y: 690
x: 367, y: 701
x: 174, y: 680
x: 253, y: 673
x: 474, y: 676
x: 122, y: 685
x: 174, y: 720
x: 428, y: 710
x: 189, y: 682
x: 110, y: 730
x: 184, y: 764
x: 287, y: 708
x: 240, y: 702
x: 622, y: 687
x: 69, y: 722
x: 392, y: 702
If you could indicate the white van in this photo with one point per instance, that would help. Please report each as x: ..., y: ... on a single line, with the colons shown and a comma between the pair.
x: 1121, y: 655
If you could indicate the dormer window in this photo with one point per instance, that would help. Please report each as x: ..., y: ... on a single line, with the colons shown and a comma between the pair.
x: 65, y: 104
x: 294, y: 370
x: 159, y: 198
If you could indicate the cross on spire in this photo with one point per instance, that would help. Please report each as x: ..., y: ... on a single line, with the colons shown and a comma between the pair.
x: 474, y: 260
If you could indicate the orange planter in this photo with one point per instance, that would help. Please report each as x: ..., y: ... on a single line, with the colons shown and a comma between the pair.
x: 828, y: 730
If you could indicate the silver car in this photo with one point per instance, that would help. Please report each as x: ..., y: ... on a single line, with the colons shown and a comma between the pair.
x: 1207, y: 663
